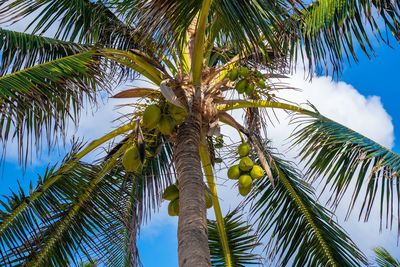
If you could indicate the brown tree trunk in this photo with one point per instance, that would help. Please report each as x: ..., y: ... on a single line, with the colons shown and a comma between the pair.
x: 192, y: 228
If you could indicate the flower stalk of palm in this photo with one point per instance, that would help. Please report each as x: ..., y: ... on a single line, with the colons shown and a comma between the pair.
x: 206, y: 58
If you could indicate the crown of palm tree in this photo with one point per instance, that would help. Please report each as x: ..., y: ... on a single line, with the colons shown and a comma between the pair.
x: 192, y: 52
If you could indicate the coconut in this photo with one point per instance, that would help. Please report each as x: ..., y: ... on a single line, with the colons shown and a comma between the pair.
x: 177, y: 113
x: 243, y: 149
x: 233, y: 75
x: 245, y: 164
x: 261, y: 84
x: 243, y: 71
x: 249, y: 89
x: 245, y: 180
x: 257, y: 172
x: 241, y: 86
x: 171, y: 193
x: 244, y: 191
x: 166, y: 125
x: 131, y: 160
x: 151, y: 117
x: 234, y: 172
x: 209, y: 200
x: 173, y: 208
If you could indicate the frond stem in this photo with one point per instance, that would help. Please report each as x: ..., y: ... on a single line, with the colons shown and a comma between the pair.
x: 199, y: 42
x: 208, y: 171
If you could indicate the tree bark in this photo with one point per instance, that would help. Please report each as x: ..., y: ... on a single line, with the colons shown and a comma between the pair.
x: 193, y: 248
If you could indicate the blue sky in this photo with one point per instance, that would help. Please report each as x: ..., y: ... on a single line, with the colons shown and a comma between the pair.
x: 376, y: 77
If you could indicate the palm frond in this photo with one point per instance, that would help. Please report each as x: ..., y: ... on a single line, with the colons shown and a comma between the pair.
x: 241, y: 238
x: 38, y: 101
x: 56, y: 226
x: 83, y: 21
x: 22, y: 50
x: 330, y: 31
x: 93, y: 211
x: 342, y: 156
x: 245, y: 25
x: 384, y: 259
x: 301, y: 231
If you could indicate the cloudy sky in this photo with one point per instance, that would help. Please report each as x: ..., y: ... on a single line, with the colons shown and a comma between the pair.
x: 365, y: 97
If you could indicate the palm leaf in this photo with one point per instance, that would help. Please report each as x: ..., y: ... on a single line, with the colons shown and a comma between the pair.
x: 38, y: 101
x: 241, y: 239
x: 66, y: 219
x: 259, y: 21
x: 22, y: 50
x: 384, y: 259
x: 341, y: 156
x: 301, y: 231
x: 92, y: 212
x: 331, y: 30
x: 84, y: 21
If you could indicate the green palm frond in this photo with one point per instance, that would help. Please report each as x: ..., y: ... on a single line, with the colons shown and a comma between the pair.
x: 259, y: 21
x: 332, y: 30
x: 301, y: 231
x: 84, y: 21
x: 384, y: 259
x: 91, y: 211
x: 38, y: 101
x: 69, y: 218
x: 22, y: 50
x: 342, y: 156
x: 241, y: 238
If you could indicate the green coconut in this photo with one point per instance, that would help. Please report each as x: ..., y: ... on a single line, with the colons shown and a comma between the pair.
x: 244, y: 149
x: 151, y: 117
x: 245, y: 164
x: 177, y: 113
x: 261, y: 84
x: 131, y: 159
x: 173, y: 208
x: 209, y: 200
x: 243, y: 71
x: 241, y: 86
x: 233, y: 75
x: 171, y: 193
x: 249, y: 89
x: 244, y: 191
x: 166, y: 125
x: 257, y: 172
x: 234, y: 172
x: 245, y: 180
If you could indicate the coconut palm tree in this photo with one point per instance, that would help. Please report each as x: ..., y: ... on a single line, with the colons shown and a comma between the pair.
x: 202, y: 59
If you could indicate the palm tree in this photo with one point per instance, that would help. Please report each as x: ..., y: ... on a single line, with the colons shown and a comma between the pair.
x: 202, y: 59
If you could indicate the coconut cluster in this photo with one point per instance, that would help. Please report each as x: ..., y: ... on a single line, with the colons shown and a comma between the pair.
x: 171, y: 193
x: 246, y: 80
x: 246, y: 171
x: 163, y: 118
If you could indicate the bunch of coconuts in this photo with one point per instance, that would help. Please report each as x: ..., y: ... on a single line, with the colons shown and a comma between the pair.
x: 162, y: 118
x: 246, y: 171
x: 171, y: 194
x: 246, y: 80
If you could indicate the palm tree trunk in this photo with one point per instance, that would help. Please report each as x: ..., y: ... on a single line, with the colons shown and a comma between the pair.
x: 193, y: 248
